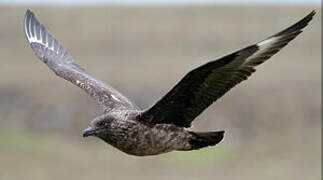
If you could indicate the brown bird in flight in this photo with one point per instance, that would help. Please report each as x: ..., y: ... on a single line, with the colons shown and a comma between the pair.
x: 162, y: 127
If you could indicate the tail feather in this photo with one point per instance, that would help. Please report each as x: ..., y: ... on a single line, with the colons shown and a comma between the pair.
x: 204, y: 139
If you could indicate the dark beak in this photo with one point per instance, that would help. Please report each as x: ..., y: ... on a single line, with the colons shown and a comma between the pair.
x: 88, y: 132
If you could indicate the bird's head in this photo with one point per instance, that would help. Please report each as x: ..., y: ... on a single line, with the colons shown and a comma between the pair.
x: 98, y: 126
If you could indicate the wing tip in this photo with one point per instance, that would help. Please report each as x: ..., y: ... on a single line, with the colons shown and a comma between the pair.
x: 26, y: 22
x: 291, y: 32
x: 298, y: 26
x: 275, y: 43
x: 35, y: 32
x: 29, y: 12
x: 28, y: 28
x: 28, y: 15
x: 308, y: 18
x: 312, y: 13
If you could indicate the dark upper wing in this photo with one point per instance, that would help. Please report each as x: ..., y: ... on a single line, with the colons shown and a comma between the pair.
x: 49, y: 50
x: 204, y: 85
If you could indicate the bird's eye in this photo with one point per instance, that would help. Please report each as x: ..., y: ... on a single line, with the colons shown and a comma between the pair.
x: 102, y: 123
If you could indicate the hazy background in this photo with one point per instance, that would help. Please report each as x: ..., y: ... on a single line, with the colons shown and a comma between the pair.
x: 272, y: 120
x: 158, y: 2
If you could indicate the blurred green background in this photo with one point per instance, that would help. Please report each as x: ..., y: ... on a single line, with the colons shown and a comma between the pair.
x: 272, y: 120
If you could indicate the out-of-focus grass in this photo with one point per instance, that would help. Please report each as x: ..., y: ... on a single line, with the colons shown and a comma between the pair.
x: 202, y: 156
x: 26, y: 142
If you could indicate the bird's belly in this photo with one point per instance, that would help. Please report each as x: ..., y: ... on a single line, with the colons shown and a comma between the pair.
x: 142, y: 140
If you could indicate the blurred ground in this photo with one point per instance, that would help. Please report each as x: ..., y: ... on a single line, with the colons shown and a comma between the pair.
x: 272, y: 120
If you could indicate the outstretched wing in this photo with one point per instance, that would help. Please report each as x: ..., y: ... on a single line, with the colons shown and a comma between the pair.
x: 204, y: 85
x: 54, y: 55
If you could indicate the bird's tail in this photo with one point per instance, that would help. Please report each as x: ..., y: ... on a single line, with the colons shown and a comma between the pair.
x: 204, y: 139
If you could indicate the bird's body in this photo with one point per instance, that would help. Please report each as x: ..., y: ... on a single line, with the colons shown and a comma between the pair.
x: 162, y: 127
x: 123, y: 130
x: 136, y: 138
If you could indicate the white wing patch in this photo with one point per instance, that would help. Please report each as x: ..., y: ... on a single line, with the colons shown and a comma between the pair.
x: 263, y: 46
x: 265, y: 43
x: 115, y: 98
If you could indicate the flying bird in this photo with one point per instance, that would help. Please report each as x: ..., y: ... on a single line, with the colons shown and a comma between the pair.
x: 163, y: 127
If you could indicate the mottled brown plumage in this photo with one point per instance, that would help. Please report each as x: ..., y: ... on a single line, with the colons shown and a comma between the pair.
x: 162, y: 127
